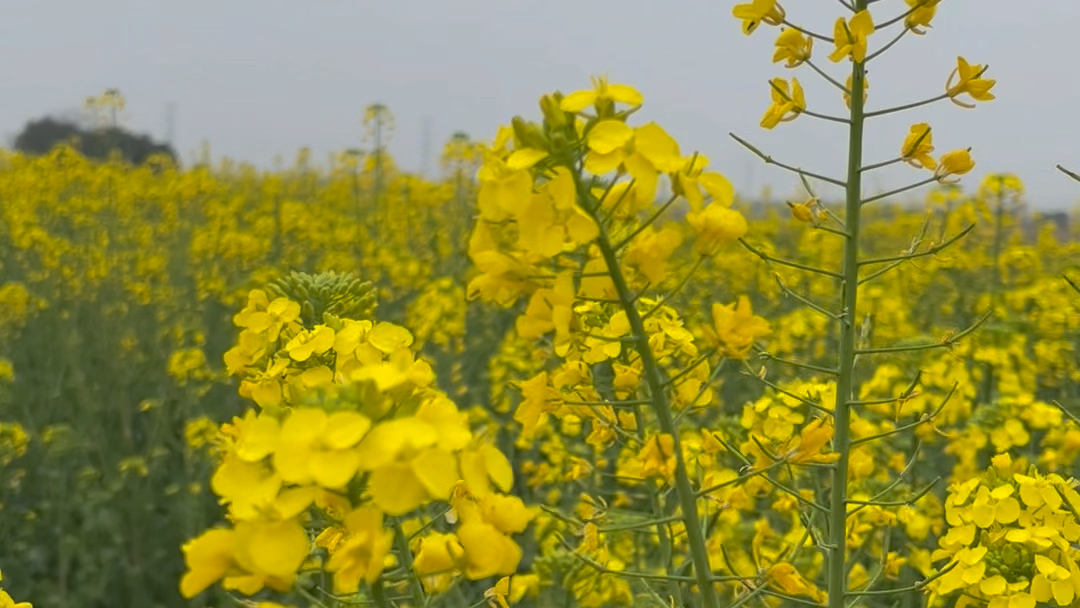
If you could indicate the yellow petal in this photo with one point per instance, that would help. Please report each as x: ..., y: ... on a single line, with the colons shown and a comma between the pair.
x: 995, y: 585
x: 1007, y: 511
x: 718, y: 187
x: 508, y: 513
x: 333, y: 469
x: 656, y: 145
x: 277, y: 548
x: 608, y: 136
x: 396, y: 490
x: 259, y: 439
x: 625, y: 94
x: 1063, y: 592
x: 388, y: 337
x: 437, y: 470
x: 498, y: 468
x: 345, y: 429
x: 862, y: 24
x: 293, y: 463
x: 524, y: 158
x: 303, y: 426
x: 208, y: 558
x: 577, y: 101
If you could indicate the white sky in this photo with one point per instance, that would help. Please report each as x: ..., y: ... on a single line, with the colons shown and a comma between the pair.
x: 259, y: 78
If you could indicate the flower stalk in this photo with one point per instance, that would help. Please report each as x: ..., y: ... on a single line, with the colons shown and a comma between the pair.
x: 837, y: 518
x: 654, y: 380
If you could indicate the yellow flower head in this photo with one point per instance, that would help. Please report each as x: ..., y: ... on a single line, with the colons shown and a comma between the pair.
x: 921, y: 13
x: 735, y: 328
x: 793, y: 47
x: 787, y: 103
x: 967, y: 78
x: 806, y: 212
x: 812, y: 444
x: 657, y: 457
x: 957, y: 162
x: 754, y: 13
x: 601, y: 94
x: 715, y: 225
x: 786, y: 578
x: 850, y: 37
x: 917, y: 147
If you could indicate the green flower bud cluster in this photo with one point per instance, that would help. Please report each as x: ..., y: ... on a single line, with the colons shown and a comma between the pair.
x: 557, y: 134
x: 329, y: 293
x: 1012, y: 561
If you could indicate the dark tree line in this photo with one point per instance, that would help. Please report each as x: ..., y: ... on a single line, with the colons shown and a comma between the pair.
x: 41, y: 136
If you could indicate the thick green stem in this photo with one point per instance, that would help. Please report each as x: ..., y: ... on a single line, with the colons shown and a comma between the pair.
x: 654, y: 380
x: 837, y: 584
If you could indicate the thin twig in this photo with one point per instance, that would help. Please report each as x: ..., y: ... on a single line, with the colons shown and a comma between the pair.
x: 898, y: 503
x: 790, y: 264
x: 808, y: 32
x: 825, y: 75
x: 906, y: 106
x: 930, y: 251
x: 946, y: 343
x: 887, y: 46
x: 806, y: 302
x: 769, y: 161
x: 1071, y: 416
x: 817, y: 368
x: 921, y: 421
x: 918, y: 184
x: 881, y: 164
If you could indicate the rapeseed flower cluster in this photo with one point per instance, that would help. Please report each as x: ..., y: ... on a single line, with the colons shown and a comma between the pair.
x: 349, y: 433
x: 1011, y: 539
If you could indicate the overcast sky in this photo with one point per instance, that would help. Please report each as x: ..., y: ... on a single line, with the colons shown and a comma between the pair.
x: 261, y: 78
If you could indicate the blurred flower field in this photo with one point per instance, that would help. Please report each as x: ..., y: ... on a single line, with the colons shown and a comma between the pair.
x: 576, y: 369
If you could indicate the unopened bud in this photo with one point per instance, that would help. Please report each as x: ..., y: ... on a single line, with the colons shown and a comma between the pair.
x: 528, y: 134
x: 553, y: 115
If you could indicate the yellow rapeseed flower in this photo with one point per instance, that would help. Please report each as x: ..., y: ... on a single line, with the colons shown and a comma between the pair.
x: 967, y: 78
x: 735, y: 328
x: 921, y: 13
x: 957, y: 162
x: 850, y: 37
x: 917, y: 147
x: 793, y: 47
x: 601, y: 93
x: 756, y: 12
x: 787, y: 103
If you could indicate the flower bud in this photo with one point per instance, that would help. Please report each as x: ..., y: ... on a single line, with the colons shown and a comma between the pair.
x: 554, y: 117
x: 528, y: 134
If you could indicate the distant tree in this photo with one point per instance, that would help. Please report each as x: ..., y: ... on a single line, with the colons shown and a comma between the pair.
x: 41, y: 136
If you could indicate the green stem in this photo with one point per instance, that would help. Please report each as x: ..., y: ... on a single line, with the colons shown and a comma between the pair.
x: 401, y: 543
x: 837, y: 551
x: 379, y: 594
x: 654, y: 379
x: 1069, y: 173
